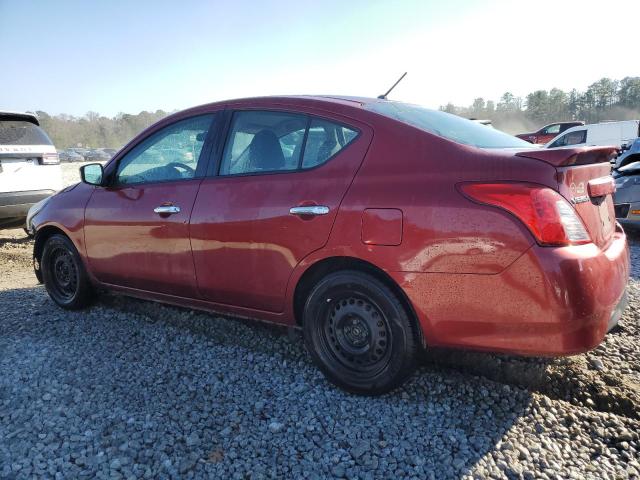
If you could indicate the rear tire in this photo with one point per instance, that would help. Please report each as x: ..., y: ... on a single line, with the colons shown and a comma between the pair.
x: 359, y: 333
x: 64, y: 275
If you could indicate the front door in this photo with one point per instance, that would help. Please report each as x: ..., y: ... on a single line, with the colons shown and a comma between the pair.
x: 137, y: 228
x: 280, y: 182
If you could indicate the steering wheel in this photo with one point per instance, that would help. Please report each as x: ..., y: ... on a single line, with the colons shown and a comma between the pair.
x: 178, y: 166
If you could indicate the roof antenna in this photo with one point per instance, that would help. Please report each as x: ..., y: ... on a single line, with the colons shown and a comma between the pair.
x: 384, y: 97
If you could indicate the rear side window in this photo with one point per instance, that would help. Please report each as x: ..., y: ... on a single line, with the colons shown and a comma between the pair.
x: 17, y: 132
x: 261, y: 141
x: 324, y: 140
x: 571, y: 138
x: 448, y: 126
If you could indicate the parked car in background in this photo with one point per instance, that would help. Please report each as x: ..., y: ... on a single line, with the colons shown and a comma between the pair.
x: 110, y: 151
x: 97, y: 155
x: 334, y: 214
x: 80, y: 151
x: 629, y: 154
x: 627, y: 195
x: 548, y: 132
x: 29, y: 166
x: 70, y: 156
x: 607, y: 133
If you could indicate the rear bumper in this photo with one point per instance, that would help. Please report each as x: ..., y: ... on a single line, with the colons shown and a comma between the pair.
x: 15, y: 205
x: 624, y: 212
x: 551, y: 301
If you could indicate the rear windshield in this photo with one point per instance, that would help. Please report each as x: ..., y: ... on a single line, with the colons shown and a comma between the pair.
x: 16, y: 132
x: 447, y: 125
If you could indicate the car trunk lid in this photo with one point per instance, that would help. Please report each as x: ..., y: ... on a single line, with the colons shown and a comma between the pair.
x: 584, y: 178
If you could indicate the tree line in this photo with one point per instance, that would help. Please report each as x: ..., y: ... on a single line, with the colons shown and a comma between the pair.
x: 94, y: 130
x: 605, y: 99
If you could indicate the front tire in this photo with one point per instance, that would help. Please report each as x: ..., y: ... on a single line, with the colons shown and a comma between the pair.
x: 359, y: 333
x: 64, y: 275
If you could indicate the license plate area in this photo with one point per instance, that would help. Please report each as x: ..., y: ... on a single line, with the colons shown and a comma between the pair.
x: 604, y: 211
x: 14, y: 165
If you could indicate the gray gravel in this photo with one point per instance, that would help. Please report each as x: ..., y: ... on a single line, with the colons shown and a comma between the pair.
x: 132, y: 389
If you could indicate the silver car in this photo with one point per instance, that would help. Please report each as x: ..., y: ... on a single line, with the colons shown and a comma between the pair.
x: 627, y: 196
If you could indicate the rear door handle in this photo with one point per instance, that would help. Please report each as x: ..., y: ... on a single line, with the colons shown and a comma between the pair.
x: 167, y: 209
x: 309, y: 210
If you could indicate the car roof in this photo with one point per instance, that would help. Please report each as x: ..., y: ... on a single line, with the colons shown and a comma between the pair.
x: 24, y: 116
x: 330, y: 103
x: 308, y: 100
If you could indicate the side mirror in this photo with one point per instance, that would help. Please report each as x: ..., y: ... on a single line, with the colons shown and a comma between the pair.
x: 92, y: 174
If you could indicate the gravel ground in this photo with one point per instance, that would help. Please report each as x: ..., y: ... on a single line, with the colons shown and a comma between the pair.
x: 133, y: 389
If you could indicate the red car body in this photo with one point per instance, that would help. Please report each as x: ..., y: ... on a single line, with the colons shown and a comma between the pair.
x: 548, y: 132
x: 473, y: 274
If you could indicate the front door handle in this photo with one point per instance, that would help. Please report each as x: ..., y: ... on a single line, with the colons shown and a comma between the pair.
x: 167, y: 209
x: 309, y: 210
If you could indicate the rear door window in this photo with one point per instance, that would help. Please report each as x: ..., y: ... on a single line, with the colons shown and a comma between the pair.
x: 263, y: 142
x: 17, y: 132
x: 267, y: 141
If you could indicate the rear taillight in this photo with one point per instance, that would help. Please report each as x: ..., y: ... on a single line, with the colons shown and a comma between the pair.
x: 50, y: 159
x: 550, y: 218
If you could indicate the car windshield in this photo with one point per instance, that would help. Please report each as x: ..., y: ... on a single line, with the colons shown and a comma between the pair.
x: 446, y: 125
x: 18, y: 132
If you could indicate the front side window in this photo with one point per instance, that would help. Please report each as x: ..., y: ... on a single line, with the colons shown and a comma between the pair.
x: 170, y: 154
x: 278, y: 142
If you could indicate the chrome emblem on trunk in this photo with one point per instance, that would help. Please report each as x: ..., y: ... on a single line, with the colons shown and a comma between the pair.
x: 577, y: 192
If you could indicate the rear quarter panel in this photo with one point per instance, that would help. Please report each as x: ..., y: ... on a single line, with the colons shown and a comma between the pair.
x: 417, y: 173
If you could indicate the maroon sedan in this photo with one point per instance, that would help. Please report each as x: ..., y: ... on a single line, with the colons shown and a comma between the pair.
x: 380, y: 228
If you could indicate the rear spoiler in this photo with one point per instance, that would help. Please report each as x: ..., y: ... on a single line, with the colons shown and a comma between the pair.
x: 19, y: 116
x: 564, y: 157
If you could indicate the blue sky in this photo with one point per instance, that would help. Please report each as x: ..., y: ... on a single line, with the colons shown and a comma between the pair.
x: 118, y: 56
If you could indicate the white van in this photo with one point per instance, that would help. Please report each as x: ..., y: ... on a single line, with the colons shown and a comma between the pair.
x: 29, y: 167
x: 615, y: 134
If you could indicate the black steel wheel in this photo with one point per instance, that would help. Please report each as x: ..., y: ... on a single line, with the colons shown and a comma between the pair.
x: 64, y: 275
x: 359, y: 333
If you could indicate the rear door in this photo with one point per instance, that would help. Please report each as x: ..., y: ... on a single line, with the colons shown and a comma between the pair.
x: 137, y: 228
x: 271, y: 202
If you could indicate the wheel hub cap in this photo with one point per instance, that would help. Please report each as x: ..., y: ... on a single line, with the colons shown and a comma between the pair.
x: 65, y: 275
x: 357, y: 333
